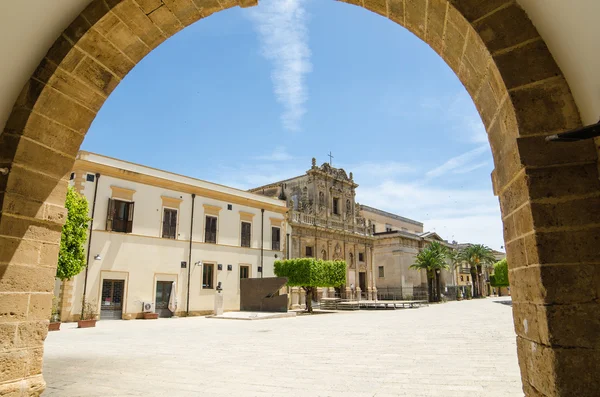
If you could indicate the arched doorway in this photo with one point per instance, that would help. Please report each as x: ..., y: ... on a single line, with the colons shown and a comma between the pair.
x: 546, y: 191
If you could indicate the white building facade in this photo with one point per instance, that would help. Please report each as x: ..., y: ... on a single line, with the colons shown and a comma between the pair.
x: 156, y: 234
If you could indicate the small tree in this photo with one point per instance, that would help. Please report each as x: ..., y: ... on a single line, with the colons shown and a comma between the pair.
x: 71, y: 257
x: 310, y: 273
x: 432, y: 259
x: 477, y: 256
x: 500, y: 277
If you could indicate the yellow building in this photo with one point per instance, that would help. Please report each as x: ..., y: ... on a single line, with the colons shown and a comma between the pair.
x: 156, y: 234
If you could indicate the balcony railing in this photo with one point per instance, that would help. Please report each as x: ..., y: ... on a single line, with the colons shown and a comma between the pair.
x: 306, y: 219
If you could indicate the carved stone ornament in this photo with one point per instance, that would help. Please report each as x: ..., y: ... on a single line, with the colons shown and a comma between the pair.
x: 337, y: 252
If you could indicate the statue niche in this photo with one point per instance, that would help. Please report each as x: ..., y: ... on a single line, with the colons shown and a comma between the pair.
x: 337, y: 253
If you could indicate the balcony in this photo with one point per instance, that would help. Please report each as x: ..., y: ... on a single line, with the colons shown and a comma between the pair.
x: 307, y: 219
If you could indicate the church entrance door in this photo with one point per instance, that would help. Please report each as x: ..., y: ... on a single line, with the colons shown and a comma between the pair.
x: 362, y: 282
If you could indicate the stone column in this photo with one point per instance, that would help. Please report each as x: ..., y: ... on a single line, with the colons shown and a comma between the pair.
x: 374, y: 272
x: 369, y: 274
x: 65, y: 300
x: 302, y: 298
x: 295, y: 296
x: 356, y: 273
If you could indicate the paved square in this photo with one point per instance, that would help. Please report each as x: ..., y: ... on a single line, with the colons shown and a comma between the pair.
x: 455, y: 349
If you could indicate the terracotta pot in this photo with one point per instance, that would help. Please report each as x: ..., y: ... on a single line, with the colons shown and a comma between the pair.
x: 86, y: 323
x: 150, y: 316
x: 54, y: 326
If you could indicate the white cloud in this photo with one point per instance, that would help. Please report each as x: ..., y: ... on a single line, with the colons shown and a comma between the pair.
x: 470, y: 215
x: 481, y: 229
x: 278, y: 154
x: 381, y: 170
x: 470, y: 168
x: 458, y: 163
x: 281, y: 25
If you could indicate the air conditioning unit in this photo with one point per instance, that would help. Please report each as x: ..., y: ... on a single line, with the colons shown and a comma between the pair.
x: 148, y: 307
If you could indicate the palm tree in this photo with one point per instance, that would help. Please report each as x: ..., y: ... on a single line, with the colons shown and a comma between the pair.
x: 432, y: 259
x: 455, y: 260
x: 477, y: 256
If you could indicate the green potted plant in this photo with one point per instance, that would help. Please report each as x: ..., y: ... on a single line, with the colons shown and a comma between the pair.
x: 88, y: 316
x: 469, y: 296
x: 459, y: 295
x: 54, y: 317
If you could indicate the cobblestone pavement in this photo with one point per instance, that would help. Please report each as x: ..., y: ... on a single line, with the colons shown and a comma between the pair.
x: 455, y: 349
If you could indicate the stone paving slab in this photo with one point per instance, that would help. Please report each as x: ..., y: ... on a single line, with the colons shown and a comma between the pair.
x: 455, y: 349
x: 252, y: 315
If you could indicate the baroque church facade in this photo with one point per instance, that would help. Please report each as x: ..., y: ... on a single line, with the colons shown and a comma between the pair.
x: 325, y: 222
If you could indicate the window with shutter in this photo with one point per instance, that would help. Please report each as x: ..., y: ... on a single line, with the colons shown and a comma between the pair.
x: 246, y: 234
x: 210, y: 230
x: 275, y: 238
x: 110, y: 214
x: 207, y: 275
x: 169, y: 223
x: 119, y: 217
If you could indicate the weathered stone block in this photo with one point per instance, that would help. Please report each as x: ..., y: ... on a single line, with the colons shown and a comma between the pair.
x: 64, y: 54
x: 46, y: 132
x: 139, y: 23
x: 505, y: 28
x: 527, y: 64
x: 396, y: 11
x: 572, y: 213
x: 40, y: 306
x: 535, y: 151
x: 49, y: 255
x: 415, y: 16
x: 486, y: 100
x: 106, y: 53
x: 567, y: 180
x: 96, y: 11
x: 378, y: 6
x: 528, y: 319
x: 98, y: 79
x: 208, y: 7
x: 475, y: 9
x: 58, y: 107
x: 436, y: 17
x: 12, y: 365
x: 19, y: 251
x: 571, y: 246
x: 8, y: 336
x: 149, y: 6
x: 545, y: 107
x: 166, y: 21
x: 31, y: 333
x: 454, y: 42
x: 29, y: 229
x: 523, y: 221
x: 35, y: 156
x: 26, y: 278
x: 36, y: 187
x: 514, y: 194
x: 13, y: 307
x: 184, y: 10
x: 475, y: 62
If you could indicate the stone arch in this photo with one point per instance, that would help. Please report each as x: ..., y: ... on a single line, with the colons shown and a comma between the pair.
x: 547, y: 191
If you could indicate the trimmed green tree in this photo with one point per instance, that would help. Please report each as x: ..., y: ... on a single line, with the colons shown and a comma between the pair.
x: 500, y: 277
x: 309, y: 273
x: 71, y: 257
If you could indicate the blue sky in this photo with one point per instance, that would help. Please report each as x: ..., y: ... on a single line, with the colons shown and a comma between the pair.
x: 248, y: 96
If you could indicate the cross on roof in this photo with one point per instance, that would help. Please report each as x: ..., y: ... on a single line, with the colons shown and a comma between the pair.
x: 330, y: 158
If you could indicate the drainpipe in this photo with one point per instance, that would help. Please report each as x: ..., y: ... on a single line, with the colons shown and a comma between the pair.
x: 287, y: 245
x: 187, y: 308
x: 262, y: 241
x: 87, y: 261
